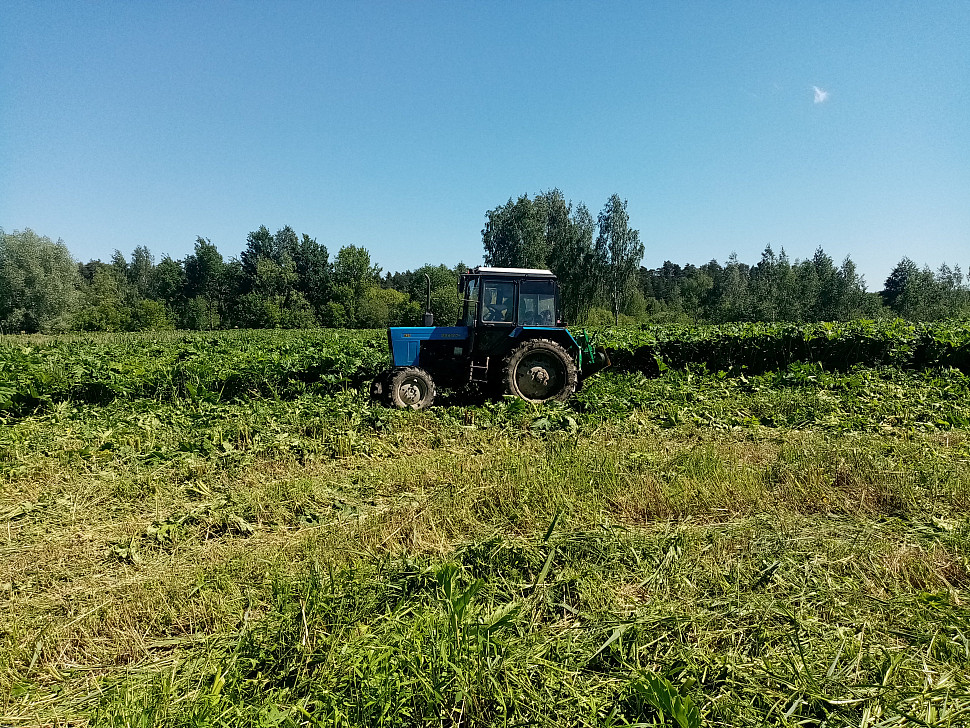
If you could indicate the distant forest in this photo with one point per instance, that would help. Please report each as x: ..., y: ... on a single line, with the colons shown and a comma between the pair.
x: 287, y: 280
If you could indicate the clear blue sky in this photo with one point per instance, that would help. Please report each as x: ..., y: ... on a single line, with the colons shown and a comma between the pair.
x: 397, y: 125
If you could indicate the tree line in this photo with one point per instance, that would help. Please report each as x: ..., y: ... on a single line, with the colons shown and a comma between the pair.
x: 814, y: 289
x: 287, y: 280
x: 599, y: 266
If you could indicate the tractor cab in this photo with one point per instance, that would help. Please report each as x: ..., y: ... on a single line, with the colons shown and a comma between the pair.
x: 508, y: 338
x: 509, y: 296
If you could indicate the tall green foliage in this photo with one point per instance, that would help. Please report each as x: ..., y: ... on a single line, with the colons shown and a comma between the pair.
x: 101, y: 305
x: 205, y: 278
x: 140, y: 271
x: 776, y: 289
x: 286, y: 280
x: 919, y: 294
x: 38, y: 282
x: 353, y: 277
x: 312, y: 263
x: 548, y: 232
x: 578, y: 264
x: 621, y: 251
x: 283, y: 280
x: 516, y: 234
x: 444, y: 291
x: 166, y: 282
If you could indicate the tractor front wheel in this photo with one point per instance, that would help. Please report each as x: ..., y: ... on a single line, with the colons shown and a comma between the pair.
x: 410, y: 388
x: 539, y: 371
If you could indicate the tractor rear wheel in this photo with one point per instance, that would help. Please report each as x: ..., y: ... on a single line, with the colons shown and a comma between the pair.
x: 410, y: 388
x: 539, y: 371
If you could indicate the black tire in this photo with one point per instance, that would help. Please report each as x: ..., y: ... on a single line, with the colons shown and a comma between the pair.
x: 540, y: 371
x: 410, y: 388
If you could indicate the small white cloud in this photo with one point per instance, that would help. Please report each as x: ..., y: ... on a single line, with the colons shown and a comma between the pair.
x: 821, y: 95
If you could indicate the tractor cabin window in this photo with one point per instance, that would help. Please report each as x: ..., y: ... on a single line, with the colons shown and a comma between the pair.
x: 497, y: 302
x: 537, y: 303
x: 471, y: 303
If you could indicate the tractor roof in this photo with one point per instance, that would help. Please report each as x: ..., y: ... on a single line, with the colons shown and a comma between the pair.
x: 485, y: 270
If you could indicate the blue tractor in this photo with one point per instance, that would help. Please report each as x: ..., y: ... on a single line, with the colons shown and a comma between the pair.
x: 509, y: 339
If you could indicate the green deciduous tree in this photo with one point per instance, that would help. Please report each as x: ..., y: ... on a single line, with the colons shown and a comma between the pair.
x: 444, y: 292
x: 38, y: 282
x: 381, y: 307
x: 205, y: 277
x: 919, y: 294
x: 102, y: 302
x: 841, y: 291
x: 260, y: 244
x: 353, y: 275
x: 312, y: 264
x: 548, y: 232
x: 911, y: 291
x: 147, y: 315
x: 352, y: 267
x: 731, y: 296
x: 515, y: 235
x: 140, y: 271
x: 167, y: 282
x: 621, y: 251
x: 285, y: 271
x: 575, y: 260
x: 775, y: 288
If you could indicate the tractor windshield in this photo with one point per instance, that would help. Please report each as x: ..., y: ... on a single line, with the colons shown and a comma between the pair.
x: 537, y: 303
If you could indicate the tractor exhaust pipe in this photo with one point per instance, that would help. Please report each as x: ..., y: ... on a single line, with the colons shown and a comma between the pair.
x: 428, y: 316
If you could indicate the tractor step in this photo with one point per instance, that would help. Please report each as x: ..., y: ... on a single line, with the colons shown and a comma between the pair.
x: 478, y: 372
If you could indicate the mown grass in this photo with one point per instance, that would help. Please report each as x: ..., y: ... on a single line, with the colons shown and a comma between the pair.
x: 789, y: 549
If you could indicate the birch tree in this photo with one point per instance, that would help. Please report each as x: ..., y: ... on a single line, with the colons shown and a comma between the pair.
x: 620, y: 248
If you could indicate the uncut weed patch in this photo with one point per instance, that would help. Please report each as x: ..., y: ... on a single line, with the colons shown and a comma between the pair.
x: 37, y: 372
x: 755, y: 348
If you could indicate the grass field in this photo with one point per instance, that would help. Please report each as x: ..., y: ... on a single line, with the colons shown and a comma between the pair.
x: 789, y: 547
